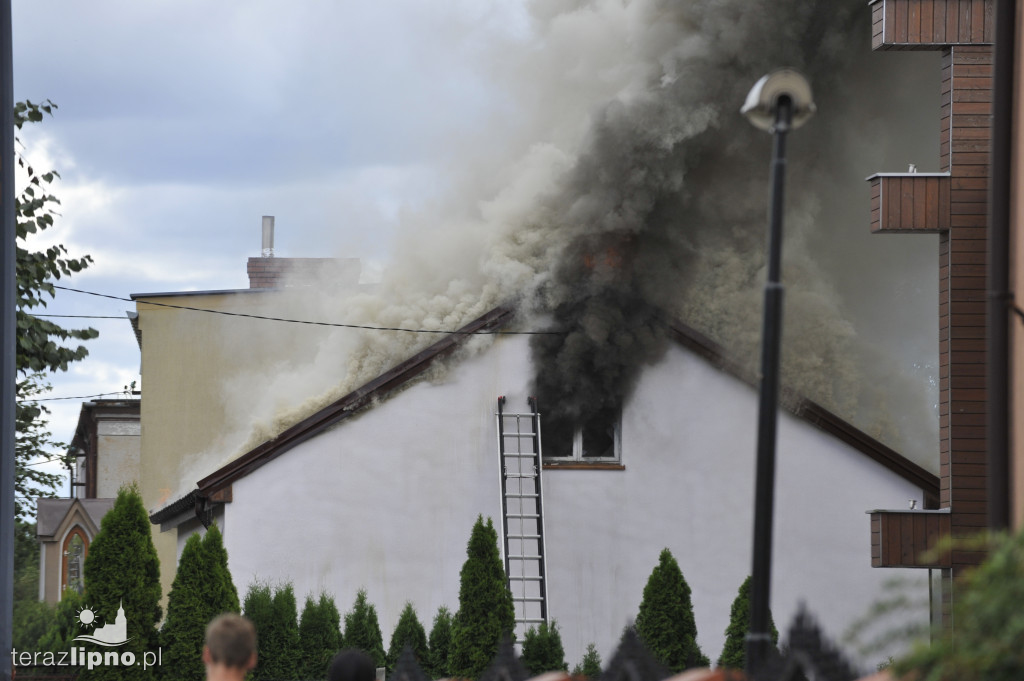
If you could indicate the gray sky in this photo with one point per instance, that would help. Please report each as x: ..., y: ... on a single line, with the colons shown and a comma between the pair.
x: 181, y: 123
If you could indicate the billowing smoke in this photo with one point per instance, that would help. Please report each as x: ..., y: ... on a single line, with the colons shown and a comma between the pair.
x: 664, y: 213
x: 622, y: 189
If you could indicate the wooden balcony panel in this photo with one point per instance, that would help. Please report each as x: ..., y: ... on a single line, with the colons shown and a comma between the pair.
x: 905, y: 538
x: 930, y: 24
x: 910, y: 203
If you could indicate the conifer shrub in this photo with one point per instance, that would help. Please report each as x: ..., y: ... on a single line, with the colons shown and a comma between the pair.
x: 258, y: 606
x: 542, y: 650
x: 65, y: 624
x: 439, y: 644
x: 665, y: 623
x: 485, y: 605
x: 274, y: 616
x: 219, y: 589
x: 734, y: 654
x: 319, y: 636
x: 362, y: 630
x: 181, y: 638
x: 590, y: 665
x: 202, y: 589
x: 122, y: 571
x: 283, y: 637
x: 409, y: 632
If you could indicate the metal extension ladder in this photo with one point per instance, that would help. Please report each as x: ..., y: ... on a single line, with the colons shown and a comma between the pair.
x: 522, y: 509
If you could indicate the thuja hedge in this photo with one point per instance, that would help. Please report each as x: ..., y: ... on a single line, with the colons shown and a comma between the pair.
x: 459, y: 645
x: 202, y: 589
x: 122, y: 571
x: 666, y: 623
x: 485, y: 605
x: 319, y: 635
x: 408, y: 632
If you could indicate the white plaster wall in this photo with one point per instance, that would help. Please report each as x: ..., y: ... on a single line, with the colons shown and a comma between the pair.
x: 386, y: 501
x: 688, y: 442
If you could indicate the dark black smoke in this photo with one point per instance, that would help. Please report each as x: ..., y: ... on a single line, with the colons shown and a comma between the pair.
x: 673, y: 173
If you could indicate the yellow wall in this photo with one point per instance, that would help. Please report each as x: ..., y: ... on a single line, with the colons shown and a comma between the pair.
x: 188, y: 359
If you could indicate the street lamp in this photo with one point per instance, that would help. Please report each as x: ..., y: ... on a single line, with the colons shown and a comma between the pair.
x: 778, y: 103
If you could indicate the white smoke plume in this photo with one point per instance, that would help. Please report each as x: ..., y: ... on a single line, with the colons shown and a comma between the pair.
x: 623, y: 188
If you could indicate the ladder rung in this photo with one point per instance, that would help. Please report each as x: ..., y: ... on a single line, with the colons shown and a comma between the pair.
x: 528, y: 599
x: 521, y: 496
x: 522, y: 536
x: 525, y: 557
x: 520, y: 477
x: 519, y: 434
x: 521, y: 455
x: 525, y: 578
x: 530, y: 619
x: 522, y: 515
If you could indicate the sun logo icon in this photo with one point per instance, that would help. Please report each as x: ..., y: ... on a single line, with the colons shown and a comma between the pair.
x: 87, y: 617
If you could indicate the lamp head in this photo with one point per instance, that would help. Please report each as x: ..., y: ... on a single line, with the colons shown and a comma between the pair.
x: 763, y: 100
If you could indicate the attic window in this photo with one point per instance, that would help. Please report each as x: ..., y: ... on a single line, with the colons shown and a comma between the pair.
x: 596, y: 440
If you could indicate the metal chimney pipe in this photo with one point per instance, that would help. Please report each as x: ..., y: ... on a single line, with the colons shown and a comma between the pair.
x: 268, y: 236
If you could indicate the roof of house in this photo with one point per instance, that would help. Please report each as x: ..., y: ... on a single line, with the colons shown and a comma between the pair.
x: 51, y: 512
x: 381, y: 386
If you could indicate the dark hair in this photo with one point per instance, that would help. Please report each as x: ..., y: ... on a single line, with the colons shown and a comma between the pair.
x: 351, y: 665
x: 231, y: 639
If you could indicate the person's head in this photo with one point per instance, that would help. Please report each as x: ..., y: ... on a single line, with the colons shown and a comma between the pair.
x: 230, y: 642
x: 351, y: 665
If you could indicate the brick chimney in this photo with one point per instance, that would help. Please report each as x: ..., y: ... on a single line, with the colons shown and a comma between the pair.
x: 269, y: 272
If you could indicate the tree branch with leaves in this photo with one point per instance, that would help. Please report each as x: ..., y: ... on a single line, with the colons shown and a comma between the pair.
x: 43, y: 347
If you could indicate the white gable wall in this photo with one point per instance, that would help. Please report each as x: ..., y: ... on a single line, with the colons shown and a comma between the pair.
x: 387, y: 499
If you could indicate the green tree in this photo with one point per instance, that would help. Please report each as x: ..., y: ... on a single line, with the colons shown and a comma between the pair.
x: 440, y: 644
x: 122, y: 572
x: 283, y: 637
x: 31, y: 617
x: 41, y: 347
x: 986, y: 643
x: 362, y: 631
x: 665, y: 622
x: 65, y: 624
x: 409, y: 632
x: 258, y: 606
x: 485, y: 604
x: 734, y: 654
x: 542, y: 650
x: 273, y: 614
x: 202, y: 589
x: 219, y: 590
x: 181, y: 639
x: 319, y: 635
x: 590, y: 665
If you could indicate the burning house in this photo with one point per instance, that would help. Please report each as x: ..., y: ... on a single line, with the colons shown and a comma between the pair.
x: 586, y: 378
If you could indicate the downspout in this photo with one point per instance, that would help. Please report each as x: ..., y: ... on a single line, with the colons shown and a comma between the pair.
x: 999, y: 295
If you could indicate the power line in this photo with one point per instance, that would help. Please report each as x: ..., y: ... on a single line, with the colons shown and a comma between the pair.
x: 50, y: 399
x: 81, y: 316
x: 332, y: 324
x: 39, y: 463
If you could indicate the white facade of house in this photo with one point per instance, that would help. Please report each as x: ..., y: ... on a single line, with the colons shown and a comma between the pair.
x: 386, y: 500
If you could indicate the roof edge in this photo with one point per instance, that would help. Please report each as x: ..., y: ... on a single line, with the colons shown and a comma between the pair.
x: 351, y: 403
x: 811, y: 412
x: 176, y: 507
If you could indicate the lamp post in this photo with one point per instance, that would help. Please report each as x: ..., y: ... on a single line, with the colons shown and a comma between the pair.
x: 778, y: 103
